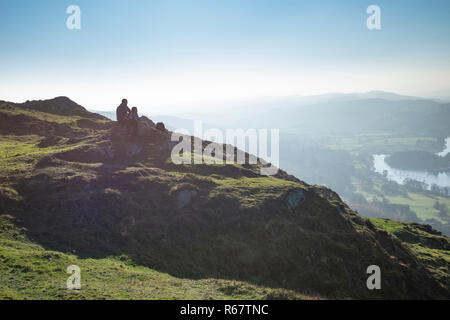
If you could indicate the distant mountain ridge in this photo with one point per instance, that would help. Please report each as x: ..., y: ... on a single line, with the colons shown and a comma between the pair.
x: 353, y: 113
x: 296, y: 111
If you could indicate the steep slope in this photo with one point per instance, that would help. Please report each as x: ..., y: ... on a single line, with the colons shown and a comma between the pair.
x: 28, y: 271
x: 73, y: 186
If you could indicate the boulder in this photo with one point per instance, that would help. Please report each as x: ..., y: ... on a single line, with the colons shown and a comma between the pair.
x: 145, y: 126
x: 49, y: 141
x: 167, y: 144
x: 119, y: 131
x: 295, y: 198
x: 106, y: 152
x: 132, y: 150
x: 184, y: 197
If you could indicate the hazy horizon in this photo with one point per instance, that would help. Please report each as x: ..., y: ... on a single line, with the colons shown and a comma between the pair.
x: 161, y: 54
x: 182, y: 110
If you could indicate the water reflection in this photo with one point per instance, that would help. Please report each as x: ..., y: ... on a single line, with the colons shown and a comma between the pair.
x: 399, y: 175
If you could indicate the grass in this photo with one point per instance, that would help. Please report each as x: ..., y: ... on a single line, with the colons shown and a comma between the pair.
x: 433, y: 250
x: 238, y: 239
x: 253, y: 192
x: 28, y: 271
x: 45, y: 116
x: 422, y: 204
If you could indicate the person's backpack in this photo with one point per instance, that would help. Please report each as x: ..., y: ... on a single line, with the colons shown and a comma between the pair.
x: 160, y: 126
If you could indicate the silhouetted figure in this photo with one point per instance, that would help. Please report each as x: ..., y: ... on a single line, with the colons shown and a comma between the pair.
x: 133, y: 119
x: 122, y: 113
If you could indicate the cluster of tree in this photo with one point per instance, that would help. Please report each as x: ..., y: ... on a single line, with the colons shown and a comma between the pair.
x: 443, y: 191
x: 398, y: 212
x: 392, y: 188
x: 382, y: 209
x: 443, y: 211
x: 415, y: 185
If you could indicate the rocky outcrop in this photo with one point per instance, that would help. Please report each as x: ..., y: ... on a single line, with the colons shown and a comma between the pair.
x: 132, y: 150
x: 184, y: 194
x: 184, y: 197
x: 145, y: 126
x: 295, y: 198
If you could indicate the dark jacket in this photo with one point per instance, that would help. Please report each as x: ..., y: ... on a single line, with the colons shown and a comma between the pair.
x: 122, y: 113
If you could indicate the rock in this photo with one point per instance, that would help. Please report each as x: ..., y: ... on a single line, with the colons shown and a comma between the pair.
x: 327, y: 194
x: 132, y: 150
x: 49, y: 141
x: 148, y: 121
x: 106, y: 152
x: 184, y: 197
x: 295, y: 198
x: 358, y: 220
x: 145, y: 126
x: 119, y: 131
x: 48, y: 161
x: 161, y: 127
x: 167, y: 145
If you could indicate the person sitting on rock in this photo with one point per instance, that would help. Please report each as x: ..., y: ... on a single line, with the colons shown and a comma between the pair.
x: 133, y: 119
x: 122, y: 113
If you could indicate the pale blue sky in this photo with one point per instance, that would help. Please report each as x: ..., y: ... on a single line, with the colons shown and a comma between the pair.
x: 162, y: 52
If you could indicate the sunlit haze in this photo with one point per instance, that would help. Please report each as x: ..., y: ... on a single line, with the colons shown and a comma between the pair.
x: 165, y: 55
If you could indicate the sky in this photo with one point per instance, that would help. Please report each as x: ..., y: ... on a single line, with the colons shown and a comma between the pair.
x: 162, y: 54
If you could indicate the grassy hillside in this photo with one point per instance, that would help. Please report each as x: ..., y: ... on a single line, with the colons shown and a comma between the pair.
x: 28, y: 271
x: 74, y: 192
x: 431, y: 248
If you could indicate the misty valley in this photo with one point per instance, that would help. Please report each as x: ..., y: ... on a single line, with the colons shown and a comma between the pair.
x: 341, y: 141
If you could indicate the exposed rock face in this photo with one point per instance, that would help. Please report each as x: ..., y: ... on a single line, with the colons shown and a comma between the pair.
x: 119, y: 132
x: 184, y: 197
x: 106, y: 152
x: 183, y: 194
x: 327, y: 194
x: 167, y: 144
x: 49, y: 141
x: 145, y: 126
x: 295, y: 198
x: 132, y: 150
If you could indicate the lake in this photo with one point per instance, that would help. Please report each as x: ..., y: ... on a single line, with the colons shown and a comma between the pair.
x: 398, y: 175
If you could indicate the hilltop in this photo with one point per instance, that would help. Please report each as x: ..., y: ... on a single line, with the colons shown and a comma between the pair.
x: 73, y: 192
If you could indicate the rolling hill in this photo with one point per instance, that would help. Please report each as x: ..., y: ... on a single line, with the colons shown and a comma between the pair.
x: 73, y: 191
